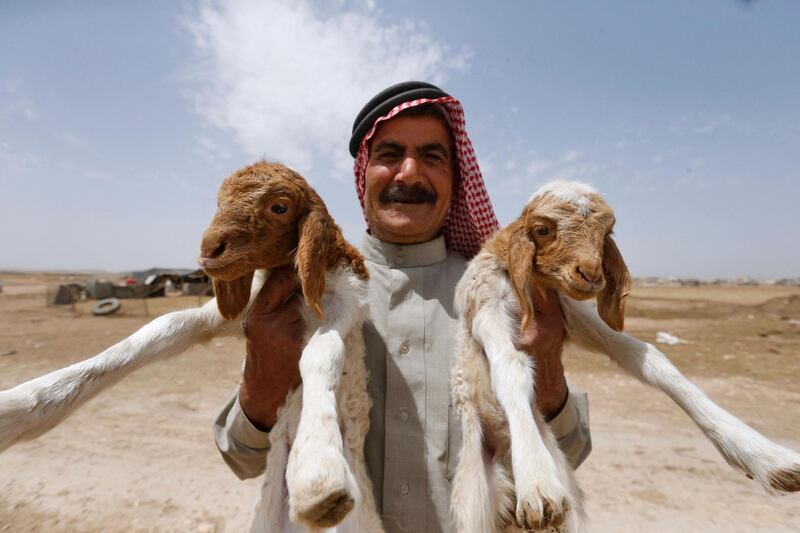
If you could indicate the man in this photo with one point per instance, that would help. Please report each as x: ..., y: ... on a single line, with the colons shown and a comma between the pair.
x: 427, y: 212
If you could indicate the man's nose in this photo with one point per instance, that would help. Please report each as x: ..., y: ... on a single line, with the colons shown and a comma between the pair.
x: 409, y: 171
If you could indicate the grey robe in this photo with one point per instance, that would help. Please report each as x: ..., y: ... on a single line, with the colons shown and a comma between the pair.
x: 414, y: 436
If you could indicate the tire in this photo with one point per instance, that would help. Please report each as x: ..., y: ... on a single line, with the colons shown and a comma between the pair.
x: 106, y: 307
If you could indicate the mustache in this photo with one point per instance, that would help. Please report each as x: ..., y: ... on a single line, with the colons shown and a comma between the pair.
x: 401, y: 193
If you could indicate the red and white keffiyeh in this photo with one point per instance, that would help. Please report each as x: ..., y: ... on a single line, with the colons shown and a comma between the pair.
x: 471, y: 219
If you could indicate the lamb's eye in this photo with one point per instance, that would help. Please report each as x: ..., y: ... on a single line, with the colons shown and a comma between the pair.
x: 279, y: 209
x: 543, y: 231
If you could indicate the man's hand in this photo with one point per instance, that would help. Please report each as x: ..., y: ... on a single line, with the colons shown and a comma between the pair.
x: 273, y: 328
x: 544, y: 340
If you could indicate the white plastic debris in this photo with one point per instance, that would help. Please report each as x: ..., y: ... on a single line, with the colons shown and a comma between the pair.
x: 668, y: 338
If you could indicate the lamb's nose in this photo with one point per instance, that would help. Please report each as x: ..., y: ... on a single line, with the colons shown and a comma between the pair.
x: 212, y: 248
x: 590, y: 272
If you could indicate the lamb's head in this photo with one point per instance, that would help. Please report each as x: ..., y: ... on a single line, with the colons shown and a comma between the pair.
x: 562, y: 241
x: 268, y: 216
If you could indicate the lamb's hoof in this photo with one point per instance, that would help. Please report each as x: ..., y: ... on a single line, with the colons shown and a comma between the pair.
x: 321, y: 489
x: 785, y: 479
x: 327, y: 510
x: 536, y: 518
x: 506, y: 519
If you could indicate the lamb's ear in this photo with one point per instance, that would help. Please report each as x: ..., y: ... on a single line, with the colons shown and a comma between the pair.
x: 316, y: 235
x: 520, y: 254
x: 232, y: 296
x: 611, y: 300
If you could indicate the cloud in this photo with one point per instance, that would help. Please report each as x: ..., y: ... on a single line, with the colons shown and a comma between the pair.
x: 210, y: 149
x: 286, y: 79
x: 698, y: 124
x: 563, y: 167
x: 536, y: 166
x: 20, y: 107
x: 523, y: 174
x: 15, y: 105
x: 571, y: 155
x: 15, y: 162
x: 101, y: 176
x: 74, y: 141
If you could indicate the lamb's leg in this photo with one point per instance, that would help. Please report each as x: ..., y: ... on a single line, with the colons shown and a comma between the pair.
x: 355, y: 403
x: 542, y: 498
x: 32, y: 408
x: 479, y: 503
x: 776, y: 467
x: 270, y: 513
x: 471, y: 497
x: 322, y: 489
x: 574, y: 520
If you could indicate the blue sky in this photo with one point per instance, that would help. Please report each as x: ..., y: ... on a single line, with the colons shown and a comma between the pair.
x: 118, y: 120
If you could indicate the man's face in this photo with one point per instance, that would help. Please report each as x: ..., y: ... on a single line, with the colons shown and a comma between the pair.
x: 409, y: 179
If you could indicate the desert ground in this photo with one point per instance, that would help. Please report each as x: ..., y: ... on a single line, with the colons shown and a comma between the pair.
x: 141, y: 456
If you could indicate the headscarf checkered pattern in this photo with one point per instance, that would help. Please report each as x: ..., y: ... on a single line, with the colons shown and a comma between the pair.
x: 471, y: 219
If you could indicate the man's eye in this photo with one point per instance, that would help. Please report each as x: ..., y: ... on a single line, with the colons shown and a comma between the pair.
x: 543, y: 231
x: 279, y: 209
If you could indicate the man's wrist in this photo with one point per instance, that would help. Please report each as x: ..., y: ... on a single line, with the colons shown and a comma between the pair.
x: 243, y: 428
x: 550, y: 414
x: 257, y: 411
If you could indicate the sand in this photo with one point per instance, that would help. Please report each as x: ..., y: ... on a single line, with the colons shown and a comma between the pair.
x: 141, y: 457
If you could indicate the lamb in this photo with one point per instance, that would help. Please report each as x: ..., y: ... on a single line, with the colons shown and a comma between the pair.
x: 267, y: 216
x: 511, y: 474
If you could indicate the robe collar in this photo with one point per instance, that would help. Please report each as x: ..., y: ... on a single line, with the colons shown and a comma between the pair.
x: 403, y: 255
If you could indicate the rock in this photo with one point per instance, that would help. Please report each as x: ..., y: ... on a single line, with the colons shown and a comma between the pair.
x: 8, y: 352
x: 668, y: 338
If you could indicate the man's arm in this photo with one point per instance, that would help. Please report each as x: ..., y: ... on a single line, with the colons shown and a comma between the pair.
x: 273, y: 329
x: 566, y: 412
x: 243, y: 446
x: 571, y: 429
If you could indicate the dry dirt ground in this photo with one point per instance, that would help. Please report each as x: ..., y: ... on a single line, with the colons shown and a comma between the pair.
x: 141, y: 456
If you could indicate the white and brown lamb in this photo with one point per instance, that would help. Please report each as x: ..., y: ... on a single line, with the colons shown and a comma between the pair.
x: 562, y: 241
x: 268, y: 216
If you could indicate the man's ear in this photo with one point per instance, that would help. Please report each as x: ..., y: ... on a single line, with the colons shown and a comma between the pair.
x: 232, y: 296
x: 317, y: 236
x: 519, y: 258
x: 611, y: 300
